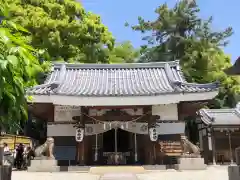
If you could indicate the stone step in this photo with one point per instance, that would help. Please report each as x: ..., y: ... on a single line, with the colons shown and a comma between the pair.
x: 154, y: 167
x: 46, y: 163
x: 117, y: 169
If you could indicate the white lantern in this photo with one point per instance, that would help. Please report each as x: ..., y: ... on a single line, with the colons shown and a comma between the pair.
x: 153, y: 134
x: 79, y: 134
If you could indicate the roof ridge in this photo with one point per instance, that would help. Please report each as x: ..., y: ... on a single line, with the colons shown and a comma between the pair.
x: 58, y: 65
x: 205, y: 85
x: 238, y: 106
x: 205, y: 116
x: 173, y: 82
x: 206, y: 113
x: 224, y: 110
x: 237, y: 109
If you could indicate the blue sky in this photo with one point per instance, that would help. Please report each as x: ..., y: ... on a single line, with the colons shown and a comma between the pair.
x: 115, y: 13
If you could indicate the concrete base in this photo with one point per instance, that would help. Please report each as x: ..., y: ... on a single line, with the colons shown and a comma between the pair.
x: 44, y: 166
x: 190, y: 164
x: 234, y: 172
x: 5, y: 172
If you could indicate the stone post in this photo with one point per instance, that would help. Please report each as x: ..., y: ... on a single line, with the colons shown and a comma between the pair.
x: 5, y: 170
x: 234, y: 172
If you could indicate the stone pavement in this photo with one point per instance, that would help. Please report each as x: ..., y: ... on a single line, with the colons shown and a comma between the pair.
x: 212, y: 173
x: 118, y: 176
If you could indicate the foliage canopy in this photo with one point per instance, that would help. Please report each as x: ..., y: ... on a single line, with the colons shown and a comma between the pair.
x: 64, y: 28
x: 179, y: 33
x: 124, y: 53
x: 18, y: 69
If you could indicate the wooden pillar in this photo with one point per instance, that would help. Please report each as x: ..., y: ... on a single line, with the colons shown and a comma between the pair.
x: 80, y: 153
x: 151, y: 152
x: 147, y: 150
x: 80, y: 146
x: 230, y: 145
x: 77, y: 156
x: 213, y: 147
x: 83, y: 152
x: 154, y: 152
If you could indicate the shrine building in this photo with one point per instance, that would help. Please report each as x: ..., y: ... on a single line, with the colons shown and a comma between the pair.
x: 135, y: 111
x: 219, y: 134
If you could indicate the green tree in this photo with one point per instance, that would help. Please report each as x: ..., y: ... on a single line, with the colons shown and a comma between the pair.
x: 124, y: 53
x: 64, y: 29
x: 179, y: 33
x: 18, y: 69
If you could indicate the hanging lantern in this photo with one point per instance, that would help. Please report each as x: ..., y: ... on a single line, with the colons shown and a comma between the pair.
x: 126, y: 125
x: 122, y: 126
x: 79, y: 134
x: 153, y: 134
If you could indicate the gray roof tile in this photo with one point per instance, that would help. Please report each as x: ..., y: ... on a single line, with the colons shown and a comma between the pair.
x: 145, y: 79
x: 220, y: 116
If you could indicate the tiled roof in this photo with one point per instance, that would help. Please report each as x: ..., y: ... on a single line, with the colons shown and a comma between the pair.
x: 235, y: 69
x: 145, y: 79
x: 221, y: 116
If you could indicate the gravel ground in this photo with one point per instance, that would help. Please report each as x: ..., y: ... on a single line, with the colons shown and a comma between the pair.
x: 212, y: 173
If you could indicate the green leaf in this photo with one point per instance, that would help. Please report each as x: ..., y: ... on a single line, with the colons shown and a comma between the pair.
x: 13, y: 60
x: 3, y: 35
x: 30, y: 98
x: 17, y: 27
x: 3, y: 64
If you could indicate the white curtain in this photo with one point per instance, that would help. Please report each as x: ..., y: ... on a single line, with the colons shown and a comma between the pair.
x: 138, y: 128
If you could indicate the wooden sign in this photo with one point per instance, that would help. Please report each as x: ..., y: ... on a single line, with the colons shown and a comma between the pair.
x: 66, y: 113
x: 171, y: 148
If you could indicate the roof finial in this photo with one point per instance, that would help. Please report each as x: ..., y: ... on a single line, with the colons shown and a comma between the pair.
x: 238, y: 106
x: 62, y: 73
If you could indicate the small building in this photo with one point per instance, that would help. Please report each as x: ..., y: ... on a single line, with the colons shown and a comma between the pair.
x: 135, y: 111
x: 219, y: 134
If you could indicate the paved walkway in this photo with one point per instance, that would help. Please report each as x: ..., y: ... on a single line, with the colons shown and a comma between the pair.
x: 212, y: 173
x: 119, y: 176
x: 22, y: 175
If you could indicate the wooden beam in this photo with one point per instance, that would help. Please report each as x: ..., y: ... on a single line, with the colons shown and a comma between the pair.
x: 42, y: 110
x: 115, y: 107
x: 190, y: 108
x: 122, y: 118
